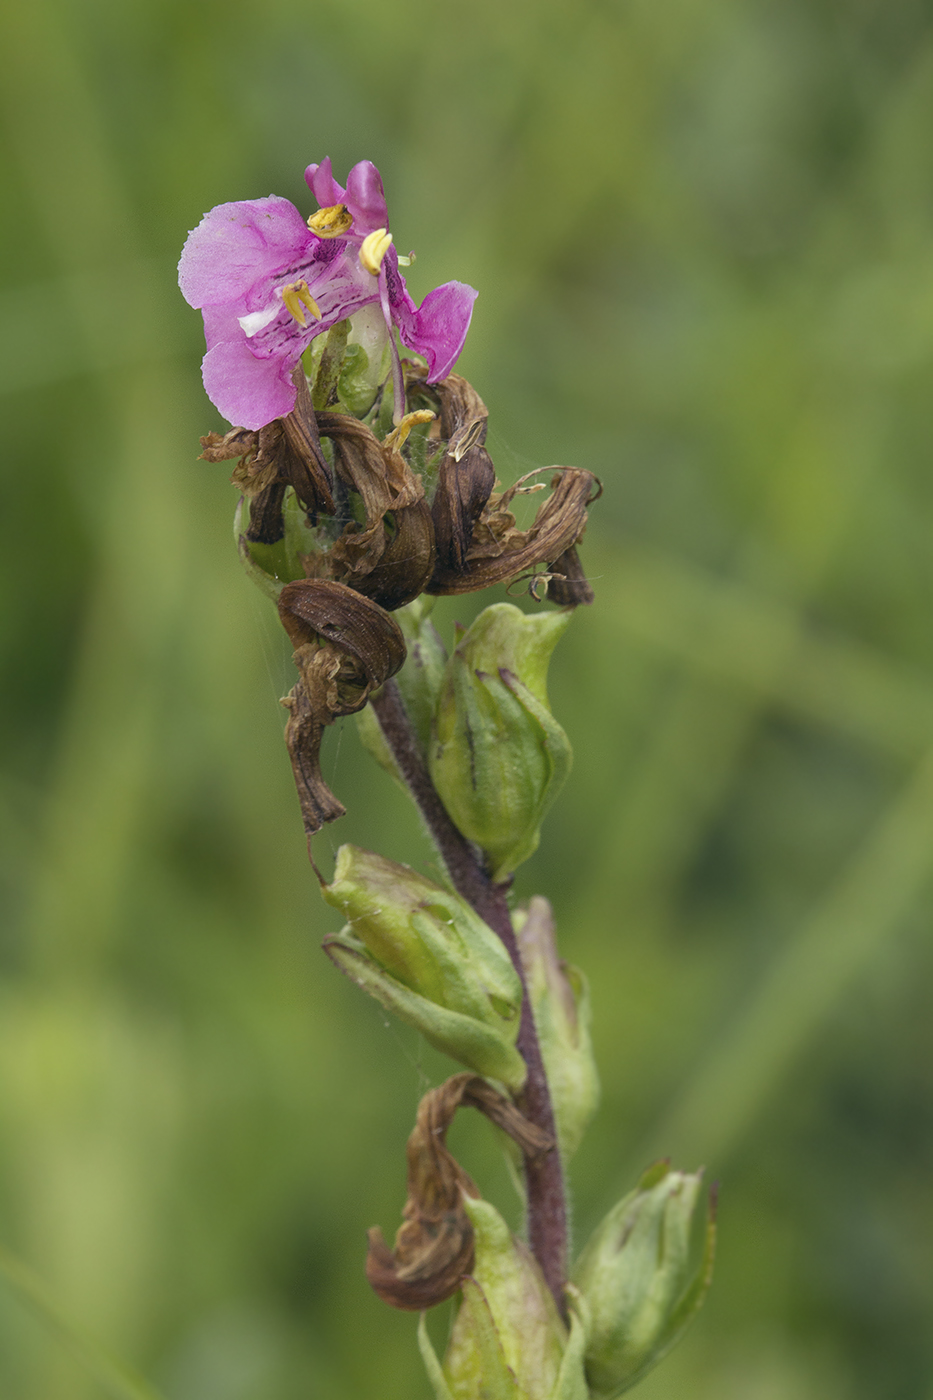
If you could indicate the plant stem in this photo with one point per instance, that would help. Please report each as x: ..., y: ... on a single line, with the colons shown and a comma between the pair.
x: 547, y: 1211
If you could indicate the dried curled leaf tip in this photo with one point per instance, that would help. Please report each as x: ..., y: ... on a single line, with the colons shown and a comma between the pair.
x: 434, y: 1248
x: 346, y: 646
x: 286, y: 452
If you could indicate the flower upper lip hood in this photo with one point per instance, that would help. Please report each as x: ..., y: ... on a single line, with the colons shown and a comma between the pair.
x: 241, y: 267
x: 364, y: 196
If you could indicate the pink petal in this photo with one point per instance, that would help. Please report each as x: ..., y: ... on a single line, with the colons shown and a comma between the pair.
x: 364, y: 195
x: 366, y: 199
x: 236, y: 244
x: 248, y: 392
x: 323, y: 186
x: 438, y: 327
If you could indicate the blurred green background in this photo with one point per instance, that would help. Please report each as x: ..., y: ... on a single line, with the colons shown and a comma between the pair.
x: 703, y: 239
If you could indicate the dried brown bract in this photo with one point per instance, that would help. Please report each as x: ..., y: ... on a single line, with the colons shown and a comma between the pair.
x: 381, y: 544
x: 390, y: 557
x: 217, y: 447
x: 499, y: 551
x: 465, y: 540
x: 286, y: 452
x: 568, y: 585
x: 466, y: 475
x: 434, y: 1248
x: 346, y: 646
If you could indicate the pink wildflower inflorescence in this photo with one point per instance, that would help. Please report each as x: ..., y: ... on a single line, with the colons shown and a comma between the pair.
x: 267, y: 283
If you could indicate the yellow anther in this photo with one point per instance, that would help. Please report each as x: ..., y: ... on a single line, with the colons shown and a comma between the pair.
x: 331, y: 222
x: 373, y: 249
x: 296, y: 297
x: 393, y: 441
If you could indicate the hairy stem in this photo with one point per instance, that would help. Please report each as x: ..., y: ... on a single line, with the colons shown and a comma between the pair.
x: 547, y: 1211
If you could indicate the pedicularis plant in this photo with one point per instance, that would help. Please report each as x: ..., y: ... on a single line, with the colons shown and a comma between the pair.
x: 367, y: 491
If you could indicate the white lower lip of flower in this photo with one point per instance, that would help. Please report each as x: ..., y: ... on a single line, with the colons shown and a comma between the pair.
x: 256, y: 321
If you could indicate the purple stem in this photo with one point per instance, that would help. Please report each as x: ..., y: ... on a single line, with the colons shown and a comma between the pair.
x: 544, y: 1179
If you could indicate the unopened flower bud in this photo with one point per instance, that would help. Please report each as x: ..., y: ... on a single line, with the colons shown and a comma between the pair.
x: 499, y: 757
x: 560, y: 1000
x: 639, y: 1281
x: 424, y: 954
x: 508, y: 1342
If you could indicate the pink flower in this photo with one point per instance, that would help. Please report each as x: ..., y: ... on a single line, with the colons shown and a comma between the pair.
x: 267, y: 284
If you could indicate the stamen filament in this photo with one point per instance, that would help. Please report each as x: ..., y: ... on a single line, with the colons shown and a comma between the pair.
x: 399, y: 433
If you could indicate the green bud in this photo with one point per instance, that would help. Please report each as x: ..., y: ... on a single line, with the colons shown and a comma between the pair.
x: 271, y: 566
x: 355, y: 391
x: 499, y: 757
x: 368, y: 361
x: 348, y: 365
x: 508, y: 1341
x: 638, y: 1280
x: 560, y: 1000
x: 419, y: 682
x: 424, y: 954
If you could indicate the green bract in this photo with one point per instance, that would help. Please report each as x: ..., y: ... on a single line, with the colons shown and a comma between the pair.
x: 560, y: 1000
x: 424, y: 954
x: 637, y: 1277
x: 508, y: 1342
x: 499, y: 757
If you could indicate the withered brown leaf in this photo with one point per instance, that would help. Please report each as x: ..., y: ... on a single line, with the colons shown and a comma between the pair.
x: 390, y: 557
x: 286, y: 452
x: 434, y: 1248
x: 346, y: 646
x: 499, y: 550
x: 568, y: 586
x: 466, y: 475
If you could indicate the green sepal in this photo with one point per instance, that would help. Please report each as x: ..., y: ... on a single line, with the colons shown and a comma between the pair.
x: 431, y: 1364
x: 426, y: 936
x: 637, y: 1279
x: 367, y: 372
x: 499, y: 758
x: 508, y: 1339
x: 268, y: 583
x: 475, y: 1362
x: 348, y: 363
x: 425, y: 954
x: 473, y: 1043
x: 560, y: 1000
x: 329, y: 363
x: 689, y: 1305
x: 571, y: 1382
x: 355, y: 391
